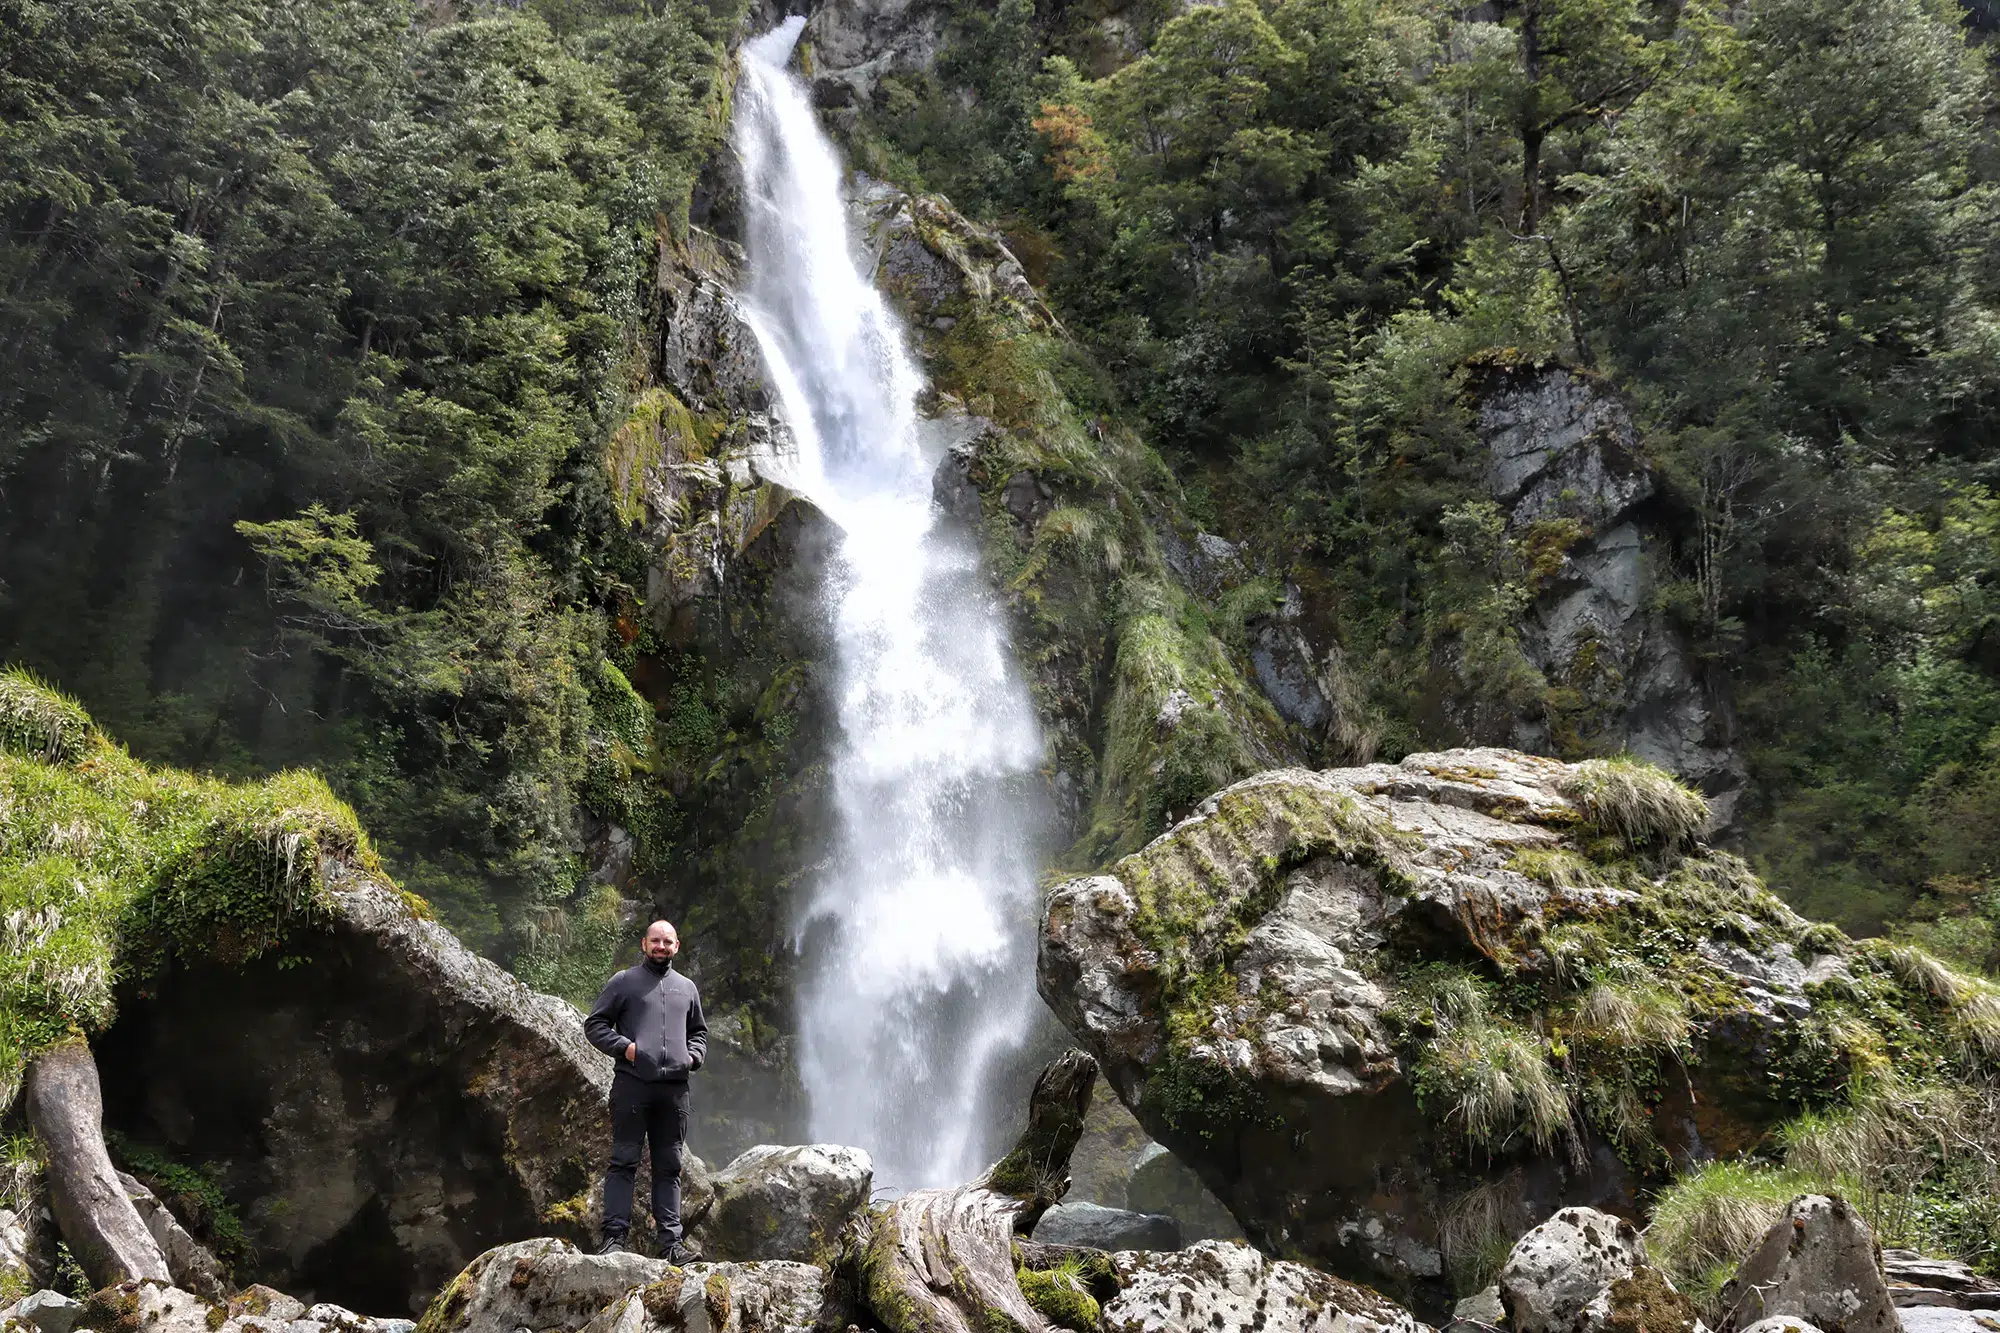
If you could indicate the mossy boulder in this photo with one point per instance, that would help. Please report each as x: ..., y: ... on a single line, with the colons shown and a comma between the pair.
x: 374, y: 1101
x: 1392, y: 1013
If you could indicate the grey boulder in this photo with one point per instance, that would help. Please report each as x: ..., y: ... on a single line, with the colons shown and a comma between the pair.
x: 539, y: 1285
x: 1939, y: 1319
x: 1558, y: 1269
x: 1819, y: 1263
x: 46, y: 1311
x: 772, y: 1297
x: 1643, y: 1301
x: 1217, y: 1287
x: 190, y: 1262
x: 164, y: 1309
x: 1100, y: 1228
x: 786, y: 1202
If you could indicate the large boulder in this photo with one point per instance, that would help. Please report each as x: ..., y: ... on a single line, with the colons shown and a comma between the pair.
x: 1299, y: 990
x: 1820, y: 1263
x: 382, y: 1104
x: 1222, y: 1288
x: 1560, y: 1267
x: 786, y: 1202
x: 45, y: 1312
x: 773, y: 1297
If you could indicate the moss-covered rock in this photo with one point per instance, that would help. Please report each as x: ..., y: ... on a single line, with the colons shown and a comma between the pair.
x: 1386, y: 1011
x: 376, y: 1100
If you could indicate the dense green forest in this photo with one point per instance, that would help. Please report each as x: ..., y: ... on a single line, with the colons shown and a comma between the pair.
x: 1294, y: 230
x: 317, y: 317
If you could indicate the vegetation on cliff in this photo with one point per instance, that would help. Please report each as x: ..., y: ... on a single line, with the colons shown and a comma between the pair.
x: 1294, y: 231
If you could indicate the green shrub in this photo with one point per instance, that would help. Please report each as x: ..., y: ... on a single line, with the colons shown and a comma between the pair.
x: 1061, y: 1296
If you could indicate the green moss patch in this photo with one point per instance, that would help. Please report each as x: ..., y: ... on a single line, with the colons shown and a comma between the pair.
x: 97, y: 850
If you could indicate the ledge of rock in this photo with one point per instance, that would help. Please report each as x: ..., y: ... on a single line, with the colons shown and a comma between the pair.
x: 1300, y: 989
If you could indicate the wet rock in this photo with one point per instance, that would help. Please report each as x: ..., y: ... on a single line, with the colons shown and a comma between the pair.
x: 1819, y: 1263
x: 786, y: 1202
x: 45, y: 1311
x: 390, y: 1105
x: 190, y: 1262
x: 1099, y: 1228
x: 1559, y: 1268
x: 939, y: 264
x: 540, y: 1285
x: 1223, y: 1288
x: 772, y: 1297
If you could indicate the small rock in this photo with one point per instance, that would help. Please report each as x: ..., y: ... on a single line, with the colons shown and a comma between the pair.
x: 260, y: 1301
x: 1780, y: 1324
x: 786, y: 1202
x: 1217, y: 1287
x: 1101, y: 1228
x: 1481, y: 1307
x: 49, y: 1311
x: 1819, y: 1263
x: 1559, y: 1268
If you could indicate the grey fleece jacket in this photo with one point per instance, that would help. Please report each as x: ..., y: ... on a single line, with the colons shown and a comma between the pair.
x: 655, y: 1008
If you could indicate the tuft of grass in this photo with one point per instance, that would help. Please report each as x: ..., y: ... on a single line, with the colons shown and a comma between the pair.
x: 1918, y: 971
x: 1625, y: 1014
x: 1707, y: 1221
x: 40, y: 721
x: 1557, y: 867
x: 1497, y: 1083
x: 1641, y: 805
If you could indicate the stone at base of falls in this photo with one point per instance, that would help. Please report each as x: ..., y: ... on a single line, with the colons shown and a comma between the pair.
x: 1819, y: 1262
x: 190, y: 1262
x: 771, y: 1297
x: 158, y: 1308
x: 45, y: 1311
x: 777, y: 1202
x: 1560, y: 1267
x: 1217, y: 1287
x: 1100, y: 1228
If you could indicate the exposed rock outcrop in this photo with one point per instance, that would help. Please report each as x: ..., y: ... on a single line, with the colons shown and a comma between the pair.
x: 787, y: 1203
x: 1564, y: 459
x: 383, y: 1104
x: 774, y: 1297
x: 1819, y: 1263
x: 1297, y: 990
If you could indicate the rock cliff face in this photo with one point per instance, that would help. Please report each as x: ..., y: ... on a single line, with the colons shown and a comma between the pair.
x: 385, y: 1103
x: 1367, y: 1004
x: 1564, y: 460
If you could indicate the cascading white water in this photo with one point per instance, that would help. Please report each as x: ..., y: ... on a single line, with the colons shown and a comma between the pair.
x: 919, y: 935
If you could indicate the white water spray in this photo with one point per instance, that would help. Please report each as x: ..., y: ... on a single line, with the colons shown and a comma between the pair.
x: 920, y: 945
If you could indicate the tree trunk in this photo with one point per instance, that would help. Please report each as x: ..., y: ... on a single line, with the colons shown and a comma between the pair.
x: 942, y: 1261
x: 66, y: 1107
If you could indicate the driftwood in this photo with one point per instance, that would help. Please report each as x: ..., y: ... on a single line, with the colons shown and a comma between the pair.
x: 942, y: 1261
x: 104, y: 1231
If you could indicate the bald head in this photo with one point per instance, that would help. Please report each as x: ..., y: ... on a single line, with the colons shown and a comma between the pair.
x: 662, y: 941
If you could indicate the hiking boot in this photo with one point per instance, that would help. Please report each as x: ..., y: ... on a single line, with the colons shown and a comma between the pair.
x: 612, y: 1245
x: 678, y: 1255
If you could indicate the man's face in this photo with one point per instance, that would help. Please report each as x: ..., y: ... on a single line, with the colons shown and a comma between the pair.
x: 661, y: 942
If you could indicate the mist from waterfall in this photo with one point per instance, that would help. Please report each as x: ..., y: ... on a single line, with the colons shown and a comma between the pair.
x: 919, y: 933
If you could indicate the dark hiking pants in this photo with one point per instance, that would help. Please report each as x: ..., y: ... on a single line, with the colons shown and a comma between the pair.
x: 654, y: 1114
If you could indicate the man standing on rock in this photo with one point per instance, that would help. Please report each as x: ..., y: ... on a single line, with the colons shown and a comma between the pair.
x: 649, y: 1020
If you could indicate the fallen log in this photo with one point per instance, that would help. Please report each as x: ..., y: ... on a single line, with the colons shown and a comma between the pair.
x: 65, y: 1106
x: 942, y: 1260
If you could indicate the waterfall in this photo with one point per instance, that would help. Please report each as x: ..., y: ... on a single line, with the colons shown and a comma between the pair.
x: 919, y: 934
